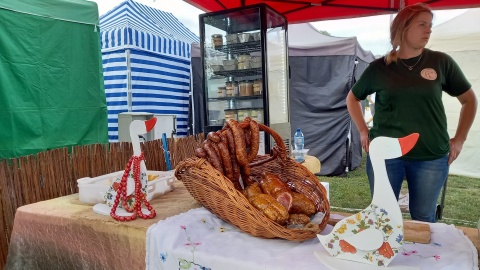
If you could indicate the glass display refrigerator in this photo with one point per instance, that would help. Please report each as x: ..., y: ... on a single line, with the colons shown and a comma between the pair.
x: 245, y: 63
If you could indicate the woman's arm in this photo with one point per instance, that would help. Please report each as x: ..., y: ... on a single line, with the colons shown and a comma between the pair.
x: 467, y: 115
x: 355, y: 109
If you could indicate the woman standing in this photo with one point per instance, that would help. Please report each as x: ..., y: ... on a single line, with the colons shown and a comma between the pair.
x: 408, y: 83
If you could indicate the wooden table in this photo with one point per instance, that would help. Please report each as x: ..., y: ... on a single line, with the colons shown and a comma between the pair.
x: 65, y: 233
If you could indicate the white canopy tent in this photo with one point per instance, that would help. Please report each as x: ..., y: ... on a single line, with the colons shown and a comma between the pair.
x: 323, y: 69
x: 305, y: 40
x: 460, y: 38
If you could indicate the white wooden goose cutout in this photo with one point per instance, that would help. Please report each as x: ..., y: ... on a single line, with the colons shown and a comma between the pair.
x: 137, y: 127
x: 375, y: 234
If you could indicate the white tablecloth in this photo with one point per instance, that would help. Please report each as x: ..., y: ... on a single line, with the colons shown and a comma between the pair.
x: 198, y: 239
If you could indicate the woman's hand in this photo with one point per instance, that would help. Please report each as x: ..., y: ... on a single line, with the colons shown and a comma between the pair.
x: 467, y: 114
x: 355, y: 109
x: 456, y: 146
x: 364, y: 140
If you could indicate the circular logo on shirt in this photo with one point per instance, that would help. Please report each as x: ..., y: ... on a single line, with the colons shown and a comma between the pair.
x: 429, y: 74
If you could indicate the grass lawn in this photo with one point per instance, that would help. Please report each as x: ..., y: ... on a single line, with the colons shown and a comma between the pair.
x: 462, y: 198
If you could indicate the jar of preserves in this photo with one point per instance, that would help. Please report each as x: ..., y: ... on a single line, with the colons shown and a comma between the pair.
x: 236, y: 89
x: 230, y: 92
x: 230, y: 89
x: 257, y: 87
x: 243, y: 65
x: 242, y: 114
x: 244, y: 58
x: 217, y: 40
x: 257, y: 115
x: 231, y: 114
x: 246, y: 88
x: 231, y: 38
x: 222, y: 91
x: 243, y: 61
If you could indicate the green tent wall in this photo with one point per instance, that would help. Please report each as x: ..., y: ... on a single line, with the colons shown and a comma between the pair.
x: 51, y: 81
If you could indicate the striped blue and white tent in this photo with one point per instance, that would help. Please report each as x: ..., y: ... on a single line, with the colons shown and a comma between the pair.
x: 146, y: 63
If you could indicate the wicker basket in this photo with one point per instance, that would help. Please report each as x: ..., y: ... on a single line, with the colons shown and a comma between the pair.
x: 217, y: 193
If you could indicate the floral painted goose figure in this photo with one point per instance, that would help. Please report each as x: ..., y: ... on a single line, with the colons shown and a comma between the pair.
x: 130, y: 191
x: 137, y: 128
x: 375, y: 234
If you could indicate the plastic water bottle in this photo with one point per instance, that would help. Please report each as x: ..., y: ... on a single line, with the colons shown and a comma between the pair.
x: 298, y: 140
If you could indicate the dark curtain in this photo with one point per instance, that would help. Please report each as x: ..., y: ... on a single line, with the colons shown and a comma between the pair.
x: 318, y: 88
x: 196, y: 115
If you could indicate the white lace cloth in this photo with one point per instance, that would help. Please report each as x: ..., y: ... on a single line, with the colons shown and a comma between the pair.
x: 198, y: 239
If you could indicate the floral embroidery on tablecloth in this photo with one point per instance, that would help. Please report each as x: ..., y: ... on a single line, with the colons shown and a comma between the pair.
x: 220, y: 229
x: 163, y: 256
x: 413, y: 252
x: 192, y: 245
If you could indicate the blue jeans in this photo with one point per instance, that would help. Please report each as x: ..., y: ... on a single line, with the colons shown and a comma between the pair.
x: 425, y: 181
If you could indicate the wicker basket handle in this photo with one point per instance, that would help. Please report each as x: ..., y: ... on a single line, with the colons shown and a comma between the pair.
x: 280, y: 147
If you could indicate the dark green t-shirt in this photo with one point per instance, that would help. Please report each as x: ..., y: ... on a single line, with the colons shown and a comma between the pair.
x: 409, y: 101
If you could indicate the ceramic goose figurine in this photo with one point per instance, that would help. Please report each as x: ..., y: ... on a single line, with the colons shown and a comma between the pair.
x: 137, y: 127
x: 375, y: 234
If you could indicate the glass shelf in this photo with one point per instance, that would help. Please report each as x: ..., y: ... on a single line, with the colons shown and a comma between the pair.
x: 235, y: 98
x: 240, y: 48
x: 251, y: 108
x: 239, y: 72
